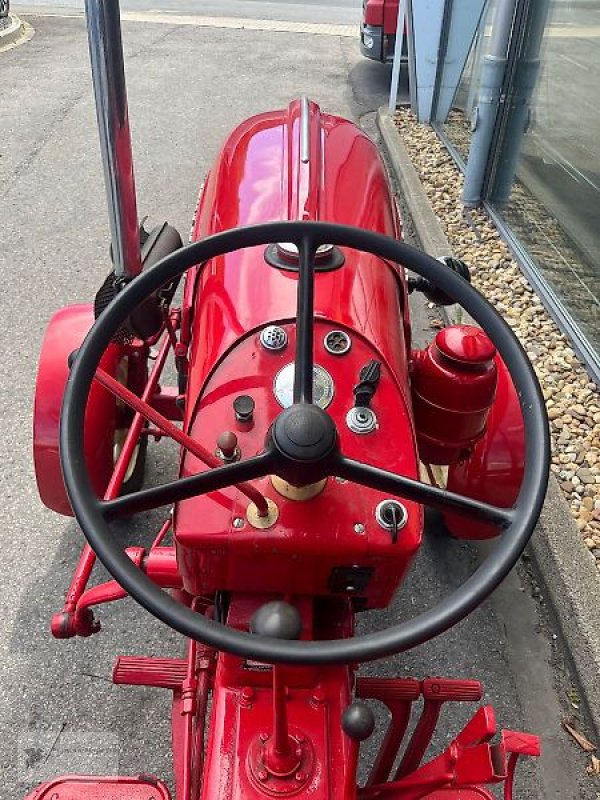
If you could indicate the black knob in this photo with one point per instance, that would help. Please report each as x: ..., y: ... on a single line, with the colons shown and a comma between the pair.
x: 358, y: 721
x: 278, y: 620
x: 369, y: 377
x: 243, y: 407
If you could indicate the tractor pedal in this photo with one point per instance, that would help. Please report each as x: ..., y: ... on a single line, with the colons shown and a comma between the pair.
x: 161, y: 673
x: 85, y: 787
x: 444, y: 689
x: 388, y: 689
x: 470, y: 793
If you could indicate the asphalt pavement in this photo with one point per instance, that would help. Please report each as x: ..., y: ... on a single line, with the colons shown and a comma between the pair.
x: 187, y: 87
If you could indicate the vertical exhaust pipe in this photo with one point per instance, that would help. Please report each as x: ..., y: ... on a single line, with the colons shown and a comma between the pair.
x: 108, y: 78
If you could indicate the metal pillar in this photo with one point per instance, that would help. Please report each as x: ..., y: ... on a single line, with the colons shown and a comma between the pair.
x: 402, y: 15
x: 464, y: 19
x: 427, y: 18
x: 108, y: 78
x: 518, y: 100
x: 490, y: 97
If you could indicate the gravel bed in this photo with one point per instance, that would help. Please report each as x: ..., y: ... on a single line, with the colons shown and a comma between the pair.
x: 572, y: 398
x: 565, y: 264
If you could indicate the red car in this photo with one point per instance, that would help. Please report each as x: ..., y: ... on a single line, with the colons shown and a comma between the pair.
x: 378, y: 29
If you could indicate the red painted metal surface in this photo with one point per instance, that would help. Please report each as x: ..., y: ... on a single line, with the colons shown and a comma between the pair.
x: 69, y: 622
x: 259, y: 177
x: 66, y: 330
x: 494, y: 470
x: 80, y: 787
x: 218, y: 548
x: 453, y: 384
x: 276, y: 732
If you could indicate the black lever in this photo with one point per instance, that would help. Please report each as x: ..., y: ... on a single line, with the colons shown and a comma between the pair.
x: 369, y: 378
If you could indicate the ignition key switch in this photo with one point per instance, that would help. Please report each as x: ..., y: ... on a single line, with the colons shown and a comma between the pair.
x: 392, y: 516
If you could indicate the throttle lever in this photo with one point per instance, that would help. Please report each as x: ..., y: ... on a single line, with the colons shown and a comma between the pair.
x: 369, y: 378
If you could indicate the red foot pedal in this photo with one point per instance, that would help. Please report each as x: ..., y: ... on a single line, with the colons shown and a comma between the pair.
x: 82, y: 787
x: 460, y: 794
x: 385, y: 689
x: 162, y: 673
x: 444, y: 689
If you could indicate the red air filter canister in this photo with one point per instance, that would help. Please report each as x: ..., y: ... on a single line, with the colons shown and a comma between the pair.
x: 453, y: 384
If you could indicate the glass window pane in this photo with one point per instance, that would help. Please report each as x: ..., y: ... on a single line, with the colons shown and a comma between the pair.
x: 554, y: 205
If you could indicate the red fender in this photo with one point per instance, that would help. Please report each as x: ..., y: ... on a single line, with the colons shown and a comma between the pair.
x: 494, y: 470
x: 64, y: 334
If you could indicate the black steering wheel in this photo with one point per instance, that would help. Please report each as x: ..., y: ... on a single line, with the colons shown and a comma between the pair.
x: 302, y: 447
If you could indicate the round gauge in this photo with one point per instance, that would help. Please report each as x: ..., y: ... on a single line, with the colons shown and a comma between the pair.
x: 283, y: 386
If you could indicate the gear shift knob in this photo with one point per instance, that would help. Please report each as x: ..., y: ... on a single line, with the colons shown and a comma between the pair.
x: 277, y: 620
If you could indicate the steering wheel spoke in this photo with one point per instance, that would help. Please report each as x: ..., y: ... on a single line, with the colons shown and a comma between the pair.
x: 183, y: 488
x: 424, y: 493
x: 304, y: 358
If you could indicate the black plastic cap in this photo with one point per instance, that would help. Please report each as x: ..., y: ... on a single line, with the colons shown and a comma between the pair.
x: 304, y: 433
x: 277, y: 620
x: 243, y: 407
x: 358, y: 721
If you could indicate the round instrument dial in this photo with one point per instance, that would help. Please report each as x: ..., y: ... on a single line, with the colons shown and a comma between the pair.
x: 283, y: 386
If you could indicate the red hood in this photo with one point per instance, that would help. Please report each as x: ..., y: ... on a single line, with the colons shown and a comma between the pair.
x: 262, y: 175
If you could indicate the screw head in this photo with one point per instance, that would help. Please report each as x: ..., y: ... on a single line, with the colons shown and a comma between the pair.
x: 238, y: 522
x: 359, y: 528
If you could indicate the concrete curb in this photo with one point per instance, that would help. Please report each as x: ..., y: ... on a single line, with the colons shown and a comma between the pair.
x: 566, y: 570
x: 15, y: 34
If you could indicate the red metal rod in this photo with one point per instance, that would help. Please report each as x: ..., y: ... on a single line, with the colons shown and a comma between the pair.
x: 420, y: 739
x: 281, y: 739
x: 401, y: 711
x: 350, y: 788
x: 182, y: 438
x: 162, y: 533
x: 169, y: 327
x: 189, y: 700
x: 87, y: 559
x: 133, y: 434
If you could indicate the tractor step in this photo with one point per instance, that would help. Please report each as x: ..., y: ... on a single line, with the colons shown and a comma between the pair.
x: 161, y: 673
x: 85, y: 787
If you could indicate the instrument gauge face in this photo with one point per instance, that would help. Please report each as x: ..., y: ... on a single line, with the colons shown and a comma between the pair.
x: 283, y: 386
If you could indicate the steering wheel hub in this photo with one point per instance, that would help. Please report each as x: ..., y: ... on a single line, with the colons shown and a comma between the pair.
x: 304, y: 433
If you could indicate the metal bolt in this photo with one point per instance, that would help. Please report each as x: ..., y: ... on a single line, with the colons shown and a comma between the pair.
x: 359, y: 528
x: 238, y: 522
x: 318, y: 696
x: 361, y: 420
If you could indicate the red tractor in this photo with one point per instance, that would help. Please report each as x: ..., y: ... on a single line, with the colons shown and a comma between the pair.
x: 303, y: 417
